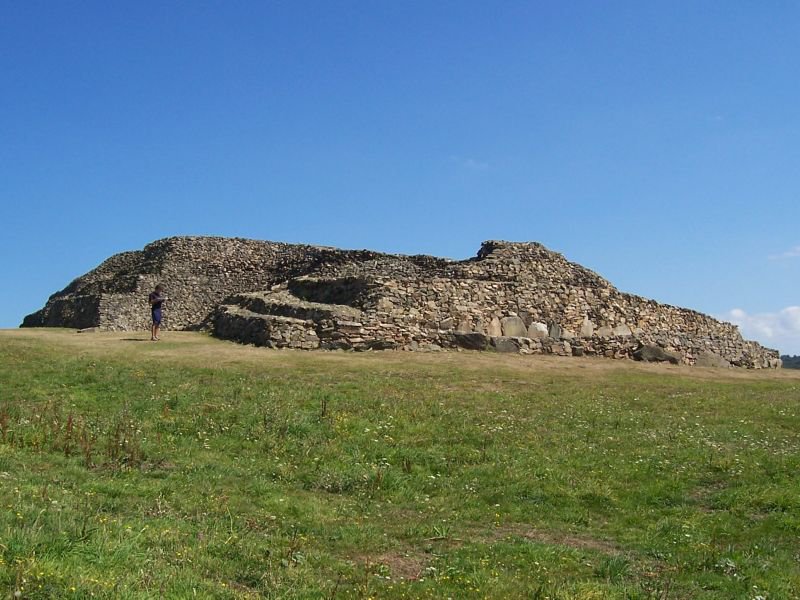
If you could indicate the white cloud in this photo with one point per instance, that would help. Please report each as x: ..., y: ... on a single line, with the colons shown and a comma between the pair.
x: 476, y: 165
x: 777, y: 329
x: 471, y: 164
x: 791, y: 253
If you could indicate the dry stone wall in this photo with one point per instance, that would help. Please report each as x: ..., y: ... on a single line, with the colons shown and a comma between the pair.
x: 516, y: 297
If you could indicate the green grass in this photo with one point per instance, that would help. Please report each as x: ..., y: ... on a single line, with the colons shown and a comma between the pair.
x: 197, y: 468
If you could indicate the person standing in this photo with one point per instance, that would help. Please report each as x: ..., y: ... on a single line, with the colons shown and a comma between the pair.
x: 156, y: 299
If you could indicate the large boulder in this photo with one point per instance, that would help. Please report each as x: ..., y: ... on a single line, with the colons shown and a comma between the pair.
x: 652, y: 353
x: 710, y: 359
x: 514, y: 327
x: 470, y: 340
x: 622, y: 330
x: 587, y: 328
x: 537, y: 331
x: 506, y: 344
x: 495, y: 328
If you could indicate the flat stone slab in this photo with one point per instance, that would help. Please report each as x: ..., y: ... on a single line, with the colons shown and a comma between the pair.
x: 513, y: 327
x: 471, y: 340
x: 505, y: 344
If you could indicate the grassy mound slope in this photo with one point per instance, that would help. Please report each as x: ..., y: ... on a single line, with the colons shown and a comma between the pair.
x: 193, y: 467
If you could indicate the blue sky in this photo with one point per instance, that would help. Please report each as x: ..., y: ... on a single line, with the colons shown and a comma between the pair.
x: 656, y: 143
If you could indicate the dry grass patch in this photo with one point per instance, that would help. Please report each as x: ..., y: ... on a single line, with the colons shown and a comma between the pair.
x: 199, y: 349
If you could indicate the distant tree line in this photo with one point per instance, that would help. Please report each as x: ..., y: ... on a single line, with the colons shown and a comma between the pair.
x: 791, y: 362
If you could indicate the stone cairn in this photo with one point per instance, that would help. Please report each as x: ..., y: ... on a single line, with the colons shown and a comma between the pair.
x: 512, y: 297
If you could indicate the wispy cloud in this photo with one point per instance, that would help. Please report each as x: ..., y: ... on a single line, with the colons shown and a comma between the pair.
x: 471, y: 164
x: 476, y: 165
x: 791, y: 253
x: 775, y: 329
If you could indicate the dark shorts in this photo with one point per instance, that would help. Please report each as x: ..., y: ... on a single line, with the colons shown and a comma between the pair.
x: 157, y: 316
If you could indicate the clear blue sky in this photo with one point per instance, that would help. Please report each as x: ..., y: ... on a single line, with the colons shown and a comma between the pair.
x: 657, y: 143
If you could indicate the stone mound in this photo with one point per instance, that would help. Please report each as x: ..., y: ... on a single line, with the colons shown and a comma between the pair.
x: 512, y: 297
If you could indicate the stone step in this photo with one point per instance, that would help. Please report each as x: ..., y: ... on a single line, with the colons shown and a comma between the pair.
x: 282, y: 303
x: 235, y: 323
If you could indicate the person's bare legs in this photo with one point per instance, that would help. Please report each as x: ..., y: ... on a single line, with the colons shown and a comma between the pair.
x: 154, y: 332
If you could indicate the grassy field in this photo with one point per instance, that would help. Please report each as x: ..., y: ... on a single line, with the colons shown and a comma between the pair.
x: 198, y: 468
